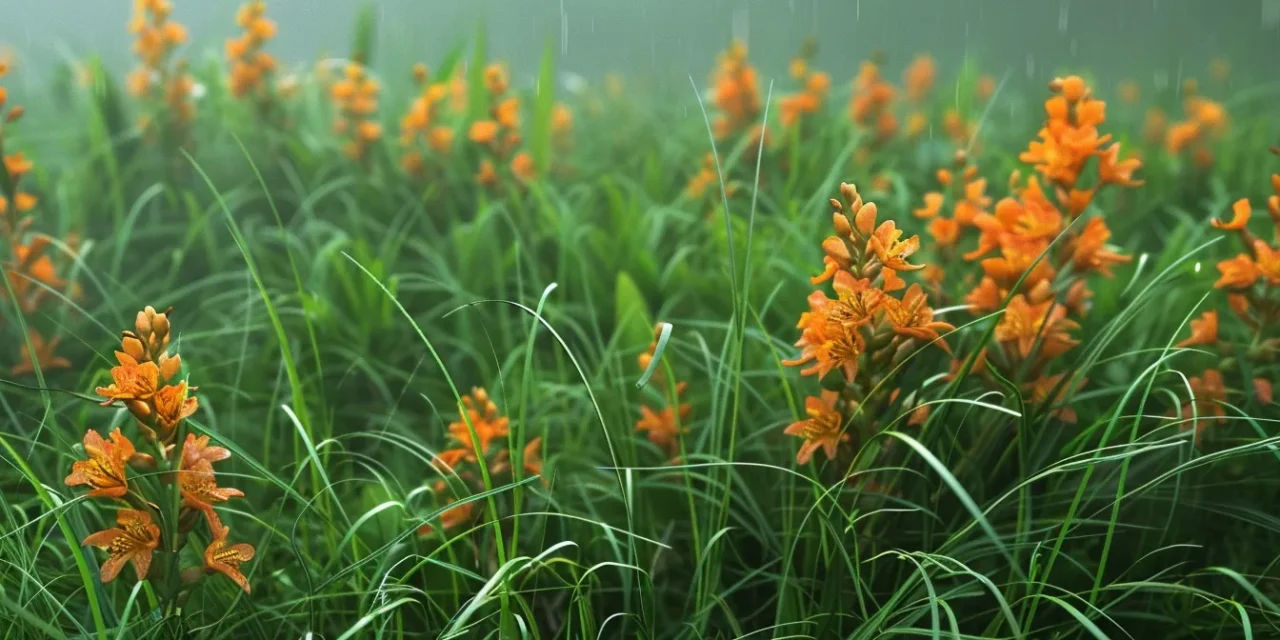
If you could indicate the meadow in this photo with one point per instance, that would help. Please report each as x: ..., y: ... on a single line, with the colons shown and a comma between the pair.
x: 359, y: 348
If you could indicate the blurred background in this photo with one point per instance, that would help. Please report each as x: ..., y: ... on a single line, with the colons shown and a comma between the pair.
x: 671, y: 39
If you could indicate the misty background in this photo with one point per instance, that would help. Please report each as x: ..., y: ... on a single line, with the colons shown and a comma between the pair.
x: 1153, y: 41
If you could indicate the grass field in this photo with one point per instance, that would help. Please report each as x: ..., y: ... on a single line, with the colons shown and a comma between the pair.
x: 468, y: 357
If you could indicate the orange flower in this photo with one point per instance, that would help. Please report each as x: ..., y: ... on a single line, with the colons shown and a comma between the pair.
x: 1113, y: 170
x: 104, y: 471
x: 1240, y: 211
x: 912, y: 317
x: 1207, y: 393
x: 986, y: 297
x: 986, y: 87
x: 196, y: 449
x: 452, y: 517
x: 224, y: 558
x: 1204, y: 330
x: 532, y: 456
x: 824, y: 428
x: 44, y: 355
x: 1129, y: 92
x: 932, y: 205
x: 483, y: 415
x: 1042, y: 387
x: 173, y: 406
x: 919, y: 77
x: 200, y: 489
x: 1090, y: 252
x: 662, y: 425
x: 522, y: 166
x: 1237, y: 273
x: 1026, y: 324
x: 1262, y: 389
x: 891, y: 251
x: 133, y: 540
x: 483, y: 131
x: 945, y: 231
x: 131, y: 381
x: 1268, y: 261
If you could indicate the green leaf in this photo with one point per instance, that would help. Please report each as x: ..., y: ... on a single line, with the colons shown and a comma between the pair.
x: 543, y: 104
x: 635, y: 326
x: 365, y: 35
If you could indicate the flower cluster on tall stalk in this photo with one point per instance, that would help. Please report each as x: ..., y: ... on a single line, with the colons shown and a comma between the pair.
x: 871, y: 107
x: 918, y: 81
x: 30, y: 268
x: 856, y: 342
x: 478, y: 437
x: 161, y: 80
x: 798, y: 108
x: 423, y: 133
x: 1047, y: 292
x: 252, y: 68
x: 355, y: 97
x: 1251, y: 281
x: 498, y: 136
x: 665, y: 425
x: 736, y: 98
x: 156, y: 522
x: 1205, y: 123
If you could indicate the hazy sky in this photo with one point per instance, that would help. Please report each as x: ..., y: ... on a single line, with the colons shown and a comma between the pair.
x: 679, y: 37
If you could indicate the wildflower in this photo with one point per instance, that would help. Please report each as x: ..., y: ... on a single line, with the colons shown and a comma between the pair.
x: 1089, y: 251
x: 986, y: 87
x: 250, y: 65
x: 932, y: 205
x: 1112, y: 170
x: 484, y: 418
x: 891, y: 251
x: 1237, y: 273
x: 1204, y: 330
x: 522, y: 166
x: 945, y: 231
x: 355, y: 98
x: 1024, y: 324
x: 132, y: 381
x: 173, y: 405
x: 665, y: 426
x: 200, y: 490
x: 160, y: 80
x: 912, y: 317
x: 133, y: 540
x: 197, y: 448
x: 1207, y: 394
x: 450, y: 518
x: 224, y: 558
x: 736, y: 92
x: 104, y: 471
x: 45, y: 356
x: 919, y: 77
x: 532, y: 456
x: 822, y: 429
x: 1129, y: 92
x: 1041, y: 388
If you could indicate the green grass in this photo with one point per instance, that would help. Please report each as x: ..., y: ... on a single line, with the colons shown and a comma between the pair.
x: 333, y: 315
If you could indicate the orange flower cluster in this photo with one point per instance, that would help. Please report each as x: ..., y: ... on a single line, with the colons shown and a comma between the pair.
x: 478, y: 414
x: 965, y: 198
x: 1250, y: 279
x: 1206, y: 122
x: 420, y: 128
x: 736, y: 96
x: 499, y: 135
x: 165, y: 84
x: 665, y: 426
x: 812, y: 90
x: 31, y: 270
x: 159, y: 412
x: 1035, y: 327
x: 863, y: 333
x: 356, y: 98
x: 251, y: 67
x: 872, y: 100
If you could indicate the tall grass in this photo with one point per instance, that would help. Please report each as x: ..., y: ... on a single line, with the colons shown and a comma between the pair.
x: 335, y: 312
